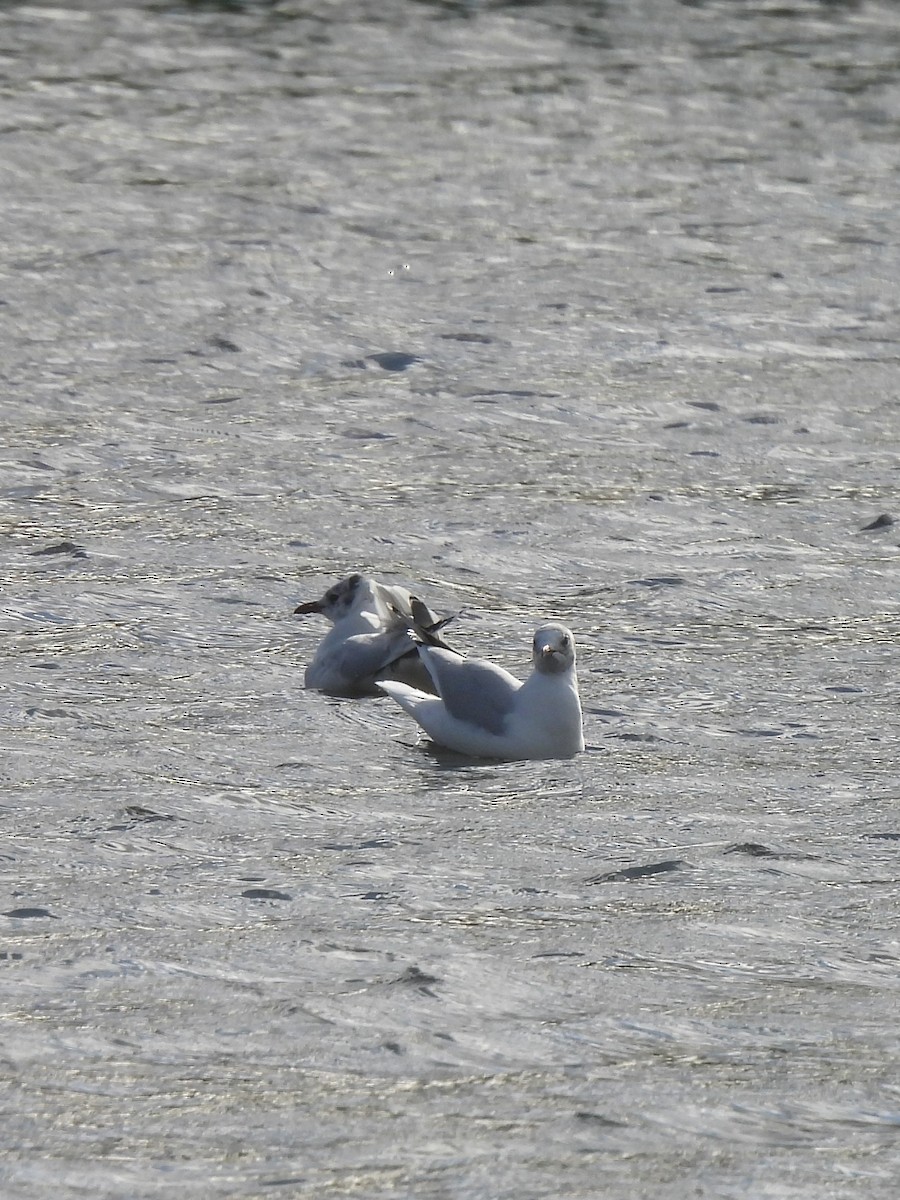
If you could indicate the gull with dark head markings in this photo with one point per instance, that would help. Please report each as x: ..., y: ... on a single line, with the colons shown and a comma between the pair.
x: 369, y: 639
x: 484, y: 711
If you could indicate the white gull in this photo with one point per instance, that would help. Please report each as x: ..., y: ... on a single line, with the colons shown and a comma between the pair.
x: 369, y: 639
x: 484, y: 711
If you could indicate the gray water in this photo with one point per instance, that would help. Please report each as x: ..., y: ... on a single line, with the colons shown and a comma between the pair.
x: 586, y: 311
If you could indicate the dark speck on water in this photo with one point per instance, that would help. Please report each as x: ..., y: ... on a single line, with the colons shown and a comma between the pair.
x: 389, y: 360
x: 417, y: 978
x: 218, y: 342
x: 137, y: 814
x: 656, y: 581
x: 549, y: 311
x: 754, y: 849
x: 882, y: 521
x: 757, y: 850
x: 627, y: 874
x: 27, y: 914
x: 69, y: 548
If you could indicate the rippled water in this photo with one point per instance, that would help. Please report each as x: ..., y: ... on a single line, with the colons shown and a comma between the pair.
x: 583, y: 310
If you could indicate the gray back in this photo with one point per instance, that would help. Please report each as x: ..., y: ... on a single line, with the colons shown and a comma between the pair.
x: 472, y: 689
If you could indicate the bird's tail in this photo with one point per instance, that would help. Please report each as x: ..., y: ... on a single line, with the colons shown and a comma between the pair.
x: 422, y: 625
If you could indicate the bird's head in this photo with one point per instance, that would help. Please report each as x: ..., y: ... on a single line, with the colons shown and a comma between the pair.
x: 554, y: 649
x: 340, y: 599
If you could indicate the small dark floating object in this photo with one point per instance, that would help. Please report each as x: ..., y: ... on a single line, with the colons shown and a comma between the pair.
x: 481, y: 338
x: 388, y: 360
x: 658, y: 581
x: 417, y: 978
x: 883, y: 837
x: 136, y: 812
x: 722, y: 291
x: 62, y: 548
x: 224, y: 343
x: 760, y: 419
x: 366, y: 435
x: 490, y: 397
x: 754, y: 849
x: 25, y: 914
x: 265, y: 894
x: 394, y: 360
x: 882, y: 521
x: 757, y: 850
x: 633, y: 737
x: 627, y: 874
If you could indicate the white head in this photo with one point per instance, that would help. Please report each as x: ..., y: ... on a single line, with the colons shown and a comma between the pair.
x: 554, y: 650
x: 343, y: 598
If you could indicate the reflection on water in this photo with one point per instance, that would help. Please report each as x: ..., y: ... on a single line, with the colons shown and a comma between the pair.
x: 583, y: 312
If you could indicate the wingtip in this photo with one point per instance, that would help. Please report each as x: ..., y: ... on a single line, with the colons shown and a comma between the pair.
x: 421, y: 623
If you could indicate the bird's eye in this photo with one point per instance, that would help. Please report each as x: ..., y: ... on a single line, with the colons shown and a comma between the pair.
x: 564, y: 641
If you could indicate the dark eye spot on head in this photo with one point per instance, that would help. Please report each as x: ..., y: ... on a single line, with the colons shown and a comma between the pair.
x: 564, y: 641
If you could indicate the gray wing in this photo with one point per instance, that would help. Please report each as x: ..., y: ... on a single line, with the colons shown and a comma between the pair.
x: 395, y: 648
x: 370, y: 653
x: 472, y: 689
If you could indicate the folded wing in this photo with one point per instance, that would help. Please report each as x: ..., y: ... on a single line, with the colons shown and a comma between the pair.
x: 472, y: 689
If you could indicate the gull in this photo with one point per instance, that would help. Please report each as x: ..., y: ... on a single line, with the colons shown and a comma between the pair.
x: 484, y: 711
x: 368, y: 640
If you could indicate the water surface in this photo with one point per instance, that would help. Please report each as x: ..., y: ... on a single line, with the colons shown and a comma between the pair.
x: 585, y: 311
